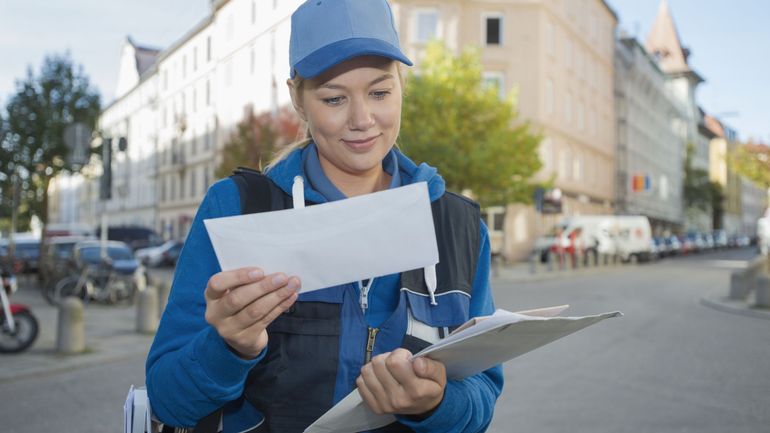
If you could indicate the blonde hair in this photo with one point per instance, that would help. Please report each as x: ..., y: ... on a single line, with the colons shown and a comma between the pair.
x: 299, y: 84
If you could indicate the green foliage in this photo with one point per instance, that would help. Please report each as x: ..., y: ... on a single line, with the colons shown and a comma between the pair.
x: 455, y: 122
x: 697, y: 186
x: 37, y: 114
x: 752, y: 161
x: 257, y: 138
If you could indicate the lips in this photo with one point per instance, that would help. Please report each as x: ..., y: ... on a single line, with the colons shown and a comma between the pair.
x: 361, y: 145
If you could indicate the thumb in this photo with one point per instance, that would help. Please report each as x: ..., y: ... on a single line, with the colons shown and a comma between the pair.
x: 429, y: 369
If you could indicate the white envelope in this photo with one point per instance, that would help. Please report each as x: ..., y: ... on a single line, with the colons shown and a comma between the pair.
x: 333, y: 243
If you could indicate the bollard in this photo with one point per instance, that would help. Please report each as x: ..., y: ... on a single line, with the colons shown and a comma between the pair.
x: 762, y: 292
x: 163, y: 292
x: 70, y: 334
x: 739, y: 285
x: 147, y: 311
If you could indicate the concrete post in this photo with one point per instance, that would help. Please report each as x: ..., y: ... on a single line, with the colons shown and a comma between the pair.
x: 163, y: 292
x: 147, y: 311
x: 70, y: 333
x: 739, y: 285
x: 762, y: 292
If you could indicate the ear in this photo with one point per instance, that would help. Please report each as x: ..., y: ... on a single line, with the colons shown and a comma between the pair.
x: 296, y: 99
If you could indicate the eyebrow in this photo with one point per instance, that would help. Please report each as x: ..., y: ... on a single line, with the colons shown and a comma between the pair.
x: 372, y: 83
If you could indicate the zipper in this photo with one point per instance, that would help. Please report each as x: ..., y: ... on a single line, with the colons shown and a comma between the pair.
x: 364, y: 289
x: 370, y: 344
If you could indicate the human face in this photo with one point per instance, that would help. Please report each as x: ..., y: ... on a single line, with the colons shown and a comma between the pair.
x: 353, y: 112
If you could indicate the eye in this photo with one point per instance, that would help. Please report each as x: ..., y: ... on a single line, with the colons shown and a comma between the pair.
x: 380, y: 94
x: 333, y: 101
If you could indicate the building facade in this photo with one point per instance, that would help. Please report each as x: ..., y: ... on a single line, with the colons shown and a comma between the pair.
x: 177, y: 107
x: 666, y: 48
x: 650, y: 138
x: 558, y: 57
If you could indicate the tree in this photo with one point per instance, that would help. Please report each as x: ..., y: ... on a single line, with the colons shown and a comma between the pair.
x: 38, y: 113
x: 454, y: 121
x: 752, y: 161
x: 257, y: 138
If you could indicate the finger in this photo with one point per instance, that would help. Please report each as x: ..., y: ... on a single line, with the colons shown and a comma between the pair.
x: 427, y: 368
x: 240, y: 297
x: 384, y: 376
x: 220, y: 283
x: 375, y: 387
x: 265, y: 310
x: 367, y: 396
x: 400, y: 366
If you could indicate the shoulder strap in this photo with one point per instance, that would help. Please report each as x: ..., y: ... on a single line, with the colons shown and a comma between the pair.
x: 257, y: 192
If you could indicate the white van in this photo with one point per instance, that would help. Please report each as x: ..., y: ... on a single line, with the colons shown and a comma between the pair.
x: 629, y: 236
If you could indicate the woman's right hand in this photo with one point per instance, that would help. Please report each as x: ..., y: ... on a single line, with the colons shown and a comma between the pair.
x: 242, y: 302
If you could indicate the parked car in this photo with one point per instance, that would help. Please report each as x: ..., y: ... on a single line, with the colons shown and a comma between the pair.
x: 56, y: 258
x: 674, y: 246
x: 26, y: 253
x: 135, y: 237
x: 162, y: 255
x: 720, y: 239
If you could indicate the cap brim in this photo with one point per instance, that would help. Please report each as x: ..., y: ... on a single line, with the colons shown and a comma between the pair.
x: 336, y: 53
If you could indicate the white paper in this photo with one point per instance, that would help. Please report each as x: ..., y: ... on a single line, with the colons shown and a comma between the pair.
x: 487, y: 342
x: 333, y: 243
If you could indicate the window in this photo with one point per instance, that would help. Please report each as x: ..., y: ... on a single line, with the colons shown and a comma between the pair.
x: 195, y: 99
x: 494, y: 30
x: 207, y: 139
x: 193, y: 191
x: 568, y: 51
x: 549, y: 107
x: 182, y: 185
x: 165, y: 79
x: 577, y: 167
x: 564, y: 157
x: 252, y: 59
x: 426, y: 25
x: 545, y: 150
x: 208, y: 92
x: 208, y: 48
x: 568, y: 108
x: 230, y: 27
x: 253, y: 12
x: 184, y: 66
x: 663, y: 187
x: 550, y: 38
x: 495, y: 79
x: 580, y: 116
x: 195, y: 59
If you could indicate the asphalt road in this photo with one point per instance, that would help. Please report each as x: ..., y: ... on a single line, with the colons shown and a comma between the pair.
x: 670, y: 364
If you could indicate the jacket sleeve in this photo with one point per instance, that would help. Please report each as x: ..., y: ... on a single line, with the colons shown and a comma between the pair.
x: 468, y: 404
x: 190, y: 371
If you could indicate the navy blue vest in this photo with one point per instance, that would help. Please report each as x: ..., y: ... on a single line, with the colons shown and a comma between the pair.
x: 317, y: 347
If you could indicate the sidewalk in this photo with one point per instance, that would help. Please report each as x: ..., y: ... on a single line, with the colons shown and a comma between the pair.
x: 109, y: 336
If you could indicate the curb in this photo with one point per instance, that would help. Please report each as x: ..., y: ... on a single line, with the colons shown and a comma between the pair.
x: 742, y: 308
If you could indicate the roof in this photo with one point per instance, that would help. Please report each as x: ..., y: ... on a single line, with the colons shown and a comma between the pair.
x: 714, y: 125
x: 664, y: 44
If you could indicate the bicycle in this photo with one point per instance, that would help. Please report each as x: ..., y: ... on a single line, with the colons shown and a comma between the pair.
x: 100, y: 283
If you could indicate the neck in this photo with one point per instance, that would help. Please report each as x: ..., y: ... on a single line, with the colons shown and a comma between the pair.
x: 355, y: 184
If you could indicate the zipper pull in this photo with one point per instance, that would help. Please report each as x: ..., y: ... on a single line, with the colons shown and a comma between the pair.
x: 370, y: 344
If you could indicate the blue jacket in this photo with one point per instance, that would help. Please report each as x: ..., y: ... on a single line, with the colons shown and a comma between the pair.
x: 191, y: 372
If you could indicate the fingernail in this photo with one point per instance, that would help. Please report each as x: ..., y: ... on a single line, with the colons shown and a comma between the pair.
x: 256, y: 274
x: 279, y: 280
x: 294, y: 285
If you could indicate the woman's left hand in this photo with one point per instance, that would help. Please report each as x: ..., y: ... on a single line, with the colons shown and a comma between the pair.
x: 393, y: 383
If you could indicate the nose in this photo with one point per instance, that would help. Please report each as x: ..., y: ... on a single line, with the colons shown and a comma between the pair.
x: 361, y: 117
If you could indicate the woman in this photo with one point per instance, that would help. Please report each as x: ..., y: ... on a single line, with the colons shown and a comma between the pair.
x: 276, y: 360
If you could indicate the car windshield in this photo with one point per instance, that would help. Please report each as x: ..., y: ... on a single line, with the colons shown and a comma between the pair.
x: 92, y: 254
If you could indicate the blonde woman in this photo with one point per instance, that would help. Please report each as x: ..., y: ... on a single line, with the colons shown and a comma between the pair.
x: 242, y: 349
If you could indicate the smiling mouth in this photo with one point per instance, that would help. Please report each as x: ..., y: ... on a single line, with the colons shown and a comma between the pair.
x: 362, y: 144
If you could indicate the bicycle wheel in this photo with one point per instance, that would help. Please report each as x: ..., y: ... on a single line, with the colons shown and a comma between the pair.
x: 22, y: 337
x: 69, y: 286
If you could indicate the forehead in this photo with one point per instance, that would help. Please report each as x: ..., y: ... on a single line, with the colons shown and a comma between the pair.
x: 358, y: 70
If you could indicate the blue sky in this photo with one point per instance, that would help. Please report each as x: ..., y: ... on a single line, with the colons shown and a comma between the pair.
x: 729, y: 40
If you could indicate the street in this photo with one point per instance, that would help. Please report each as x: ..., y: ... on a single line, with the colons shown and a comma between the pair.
x: 671, y: 364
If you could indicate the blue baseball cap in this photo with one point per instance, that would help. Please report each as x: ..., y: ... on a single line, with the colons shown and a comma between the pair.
x: 325, y: 33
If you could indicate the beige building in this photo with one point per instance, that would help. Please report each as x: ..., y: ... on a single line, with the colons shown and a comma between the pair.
x: 558, y: 56
x: 720, y: 147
